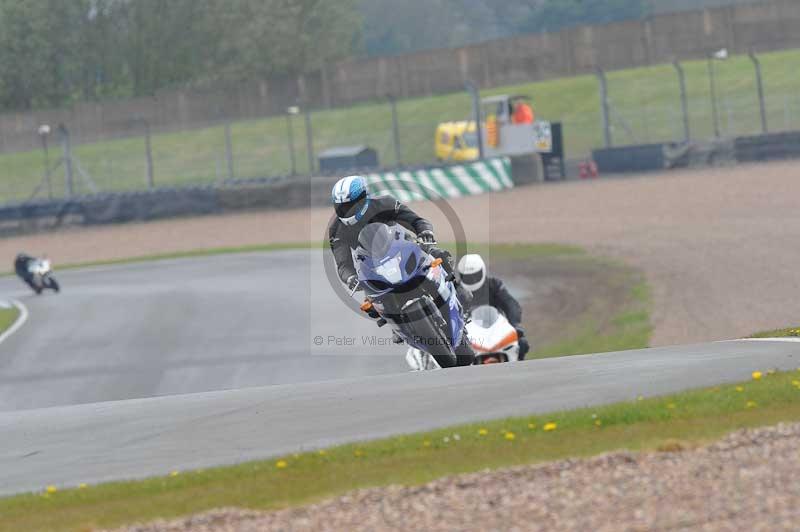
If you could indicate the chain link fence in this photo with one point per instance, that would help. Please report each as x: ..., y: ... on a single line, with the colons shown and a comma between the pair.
x: 644, y: 106
x: 722, y: 96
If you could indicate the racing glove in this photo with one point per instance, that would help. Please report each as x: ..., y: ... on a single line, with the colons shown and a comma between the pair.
x: 427, y: 238
x: 352, y: 282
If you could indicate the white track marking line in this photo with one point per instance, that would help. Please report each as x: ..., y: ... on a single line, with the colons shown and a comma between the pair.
x: 788, y: 339
x: 23, y: 317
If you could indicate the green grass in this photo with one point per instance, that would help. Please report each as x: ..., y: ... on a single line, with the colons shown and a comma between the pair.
x: 645, y: 106
x: 7, y: 318
x: 779, y: 333
x: 672, y: 422
x: 599, y: 332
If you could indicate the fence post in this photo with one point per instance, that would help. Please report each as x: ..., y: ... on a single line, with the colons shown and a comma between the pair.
x: 713, y: 87
x: 44, y: 132
x: 606, y: 112
x: 760, y: 86
x: 148, y: 152
x: 67, y: 147
x: 309, y: 142
x: 395, y: 130
x: 229, y: 149
x: 291, y: 111
x: 684, y: 100
x: 475, y: 93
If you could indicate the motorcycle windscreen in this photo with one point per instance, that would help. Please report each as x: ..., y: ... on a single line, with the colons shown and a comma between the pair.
x: 485, y: 316
x: 386, y: 259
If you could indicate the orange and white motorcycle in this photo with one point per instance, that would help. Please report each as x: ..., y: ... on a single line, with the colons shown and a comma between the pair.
x: 491, y: 335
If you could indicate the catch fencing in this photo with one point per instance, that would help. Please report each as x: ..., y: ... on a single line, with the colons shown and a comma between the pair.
x: 721, y: 98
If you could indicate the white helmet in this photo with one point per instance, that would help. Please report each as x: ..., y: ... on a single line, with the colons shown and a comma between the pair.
x: 472, y: 271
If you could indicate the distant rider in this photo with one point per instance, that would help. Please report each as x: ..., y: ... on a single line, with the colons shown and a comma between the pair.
x: 493, y: 292
x: 355, y: 209
x: 21, y: 263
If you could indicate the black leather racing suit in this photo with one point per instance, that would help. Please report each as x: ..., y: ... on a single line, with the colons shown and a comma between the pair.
x: 385, y: 209
x: 344, y: 238
x: 494, y: 293
x: 21, y: 263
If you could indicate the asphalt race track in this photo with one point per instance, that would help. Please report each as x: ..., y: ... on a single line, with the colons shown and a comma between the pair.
x: 143, y: 437
x: 185, y: 325
x: 235, y: 321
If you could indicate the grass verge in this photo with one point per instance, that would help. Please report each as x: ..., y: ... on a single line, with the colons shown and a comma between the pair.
x: 779, y: 333
x: 666, y: 423
x: 7, y: 318
x: 598, y: 332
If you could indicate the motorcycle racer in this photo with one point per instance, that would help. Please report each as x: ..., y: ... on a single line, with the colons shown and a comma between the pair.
x: 492, y: 291
x: 355, y: 209
x: 21, y: 263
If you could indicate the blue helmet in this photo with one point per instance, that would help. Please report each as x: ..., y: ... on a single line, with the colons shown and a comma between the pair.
x: 350, y: 199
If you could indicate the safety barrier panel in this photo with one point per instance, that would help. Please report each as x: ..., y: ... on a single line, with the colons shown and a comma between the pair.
x: 770, y: 147
x: 447, y: 182
x: 638, y: 158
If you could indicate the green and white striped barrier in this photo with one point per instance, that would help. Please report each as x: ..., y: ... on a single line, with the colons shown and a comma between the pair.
x: 448, y: 182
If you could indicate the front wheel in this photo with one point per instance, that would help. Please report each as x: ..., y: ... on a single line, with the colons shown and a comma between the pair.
x: 424, y: 327
x: 53, y: 284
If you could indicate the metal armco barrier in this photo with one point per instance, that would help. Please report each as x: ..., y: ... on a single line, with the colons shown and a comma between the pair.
x: 769, y: 147
x: 639, y: 158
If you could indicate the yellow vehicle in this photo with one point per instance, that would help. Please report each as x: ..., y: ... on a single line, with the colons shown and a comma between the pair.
x: 503, y: 134
x: 456, y: 141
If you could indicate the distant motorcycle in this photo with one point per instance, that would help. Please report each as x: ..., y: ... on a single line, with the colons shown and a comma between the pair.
x: 38, y: 274
x: 492, y: 337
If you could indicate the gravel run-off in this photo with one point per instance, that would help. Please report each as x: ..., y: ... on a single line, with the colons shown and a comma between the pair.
x: 719, y: 246
x: 747, y: 481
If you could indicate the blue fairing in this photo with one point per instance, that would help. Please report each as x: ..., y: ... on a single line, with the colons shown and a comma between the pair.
x: 456, y: 319
x: 372, y: 271
x: 396, y: 263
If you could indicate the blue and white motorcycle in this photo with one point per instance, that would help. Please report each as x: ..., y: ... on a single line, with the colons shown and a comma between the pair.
x: 411, y: 291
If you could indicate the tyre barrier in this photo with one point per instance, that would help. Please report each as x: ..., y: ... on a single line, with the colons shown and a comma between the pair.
x: 276, y: 193
x: 768, y: 147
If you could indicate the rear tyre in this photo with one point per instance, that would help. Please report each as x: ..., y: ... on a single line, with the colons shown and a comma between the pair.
x: 53, y: 284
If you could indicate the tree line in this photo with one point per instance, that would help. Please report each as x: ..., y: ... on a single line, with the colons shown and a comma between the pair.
x: 55, y: 52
